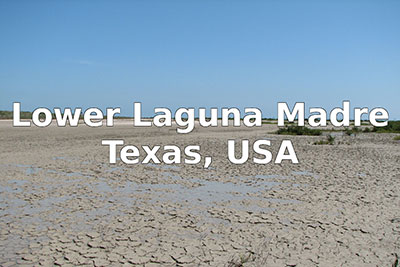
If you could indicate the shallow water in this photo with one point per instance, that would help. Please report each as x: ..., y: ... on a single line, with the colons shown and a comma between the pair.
x: 198, y: 195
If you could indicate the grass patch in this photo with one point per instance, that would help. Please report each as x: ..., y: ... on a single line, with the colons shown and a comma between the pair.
x: 330, y: 140
x: 397, y: 138
x: 356, y: 130
x: 298, y: 130
x: 350, y: 131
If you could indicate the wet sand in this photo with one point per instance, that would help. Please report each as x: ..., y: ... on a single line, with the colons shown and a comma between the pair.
x: 61, y: 203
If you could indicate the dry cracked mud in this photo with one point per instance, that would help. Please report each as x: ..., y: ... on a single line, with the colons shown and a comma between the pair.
x: 62, y: 203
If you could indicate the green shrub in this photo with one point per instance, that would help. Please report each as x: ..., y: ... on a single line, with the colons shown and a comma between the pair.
x: 330, y: 140
x: 348, y: 131
x: 351, y: 131
x: 392, y: 127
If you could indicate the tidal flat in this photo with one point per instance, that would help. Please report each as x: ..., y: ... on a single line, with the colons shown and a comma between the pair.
x: 62, y: 203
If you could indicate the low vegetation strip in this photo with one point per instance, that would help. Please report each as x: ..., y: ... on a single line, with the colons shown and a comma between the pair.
x: 298, y: 130
x: 392, y: 127
x: 8, y: 115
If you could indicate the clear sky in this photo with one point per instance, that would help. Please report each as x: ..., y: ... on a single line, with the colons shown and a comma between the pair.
x: 200, y: 54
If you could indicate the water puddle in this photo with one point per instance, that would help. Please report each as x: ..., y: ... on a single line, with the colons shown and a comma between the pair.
x: 272, y: 176
x: 29, y: 169
x: 14, y: 186
x: 198, y: 195
x: 163, y: 166
x: 70, y: 174
x: 202, y: 193
x: 9, y: 189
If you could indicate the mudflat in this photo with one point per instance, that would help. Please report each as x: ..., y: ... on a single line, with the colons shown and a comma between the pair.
x: 62, y: 203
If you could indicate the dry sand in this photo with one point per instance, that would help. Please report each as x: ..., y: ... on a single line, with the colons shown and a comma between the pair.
x: 62, y: 203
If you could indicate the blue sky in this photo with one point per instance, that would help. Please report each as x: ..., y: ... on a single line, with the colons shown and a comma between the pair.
x: 200, y: 54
